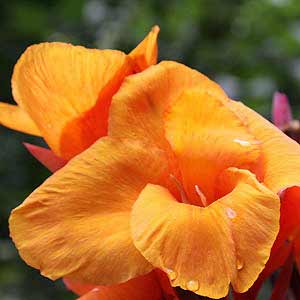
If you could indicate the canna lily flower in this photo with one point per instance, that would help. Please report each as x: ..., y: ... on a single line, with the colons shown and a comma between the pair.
x: 64, y: 92
x: 186, y: 182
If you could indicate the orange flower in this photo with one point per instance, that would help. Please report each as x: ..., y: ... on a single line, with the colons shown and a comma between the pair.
x: 185, y: 182
x: 64, y: 92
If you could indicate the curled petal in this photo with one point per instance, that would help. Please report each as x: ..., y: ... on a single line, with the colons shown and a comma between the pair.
x: 67, y: 90
x: 206, y: 249
x: 279, y: 169
x: 138, y: 109
x: 280, y: 164
x: 196, y: 121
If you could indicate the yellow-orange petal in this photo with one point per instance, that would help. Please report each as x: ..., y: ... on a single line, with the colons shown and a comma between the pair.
x: 145, y: 53
x: 279, y: 169
x: 13, y: 117
x: 141, y: 288
x: 138, y: 109
x: 281, y: 155
x: 67, y: 90
x: 76, y: 224
x: 204, y: 249
x: 207, y: 138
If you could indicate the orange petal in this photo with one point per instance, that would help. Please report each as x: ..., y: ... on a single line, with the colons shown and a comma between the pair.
x: 207, y: 138
x: 13, y: 117
x: 46, y: 157
x: 67, y: 91
x: 86, y: 206
x: 281, y: 155
x: 145, y: 54
x: 204, y: 249
x: 137, y: 110
x: 279, y: 169
x: 141, y: 288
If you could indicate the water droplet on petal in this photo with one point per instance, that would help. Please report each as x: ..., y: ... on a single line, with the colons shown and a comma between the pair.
x: 192, y: 285
x: 242, y: 142
x: 239, y: 264
x: 231, y: 214
x: 172, y: 274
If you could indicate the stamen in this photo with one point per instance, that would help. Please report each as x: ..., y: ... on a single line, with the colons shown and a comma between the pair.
x: 180, y: 188
x: 201, y: 195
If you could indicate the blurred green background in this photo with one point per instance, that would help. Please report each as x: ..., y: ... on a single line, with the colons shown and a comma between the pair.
x: 252, y: 48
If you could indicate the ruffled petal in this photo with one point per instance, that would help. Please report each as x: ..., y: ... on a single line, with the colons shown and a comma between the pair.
x: 279, y: 170
x: 13, y: 117
x: 67, y: 90
x: 204, y: 249
x: 280, y: 155
x: 141, y: 288
x: 138, y: 109
x: 207, y: 138
x: 77, y: 223
x: 145, y: 54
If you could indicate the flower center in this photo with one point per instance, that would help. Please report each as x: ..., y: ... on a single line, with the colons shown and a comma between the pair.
x: 184, y: 198
x: 180, y: 189
x: 201, y: 195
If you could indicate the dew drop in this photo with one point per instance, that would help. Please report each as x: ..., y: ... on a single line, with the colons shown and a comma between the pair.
x: 192, y: 285
x: 172, y: 274
x: 242, y: 142
x: 239, y: 264
x: 231, y: 214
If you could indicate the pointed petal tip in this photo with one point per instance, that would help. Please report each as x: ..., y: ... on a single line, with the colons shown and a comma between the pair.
x: 46, y: 157
x: 155, y: 29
